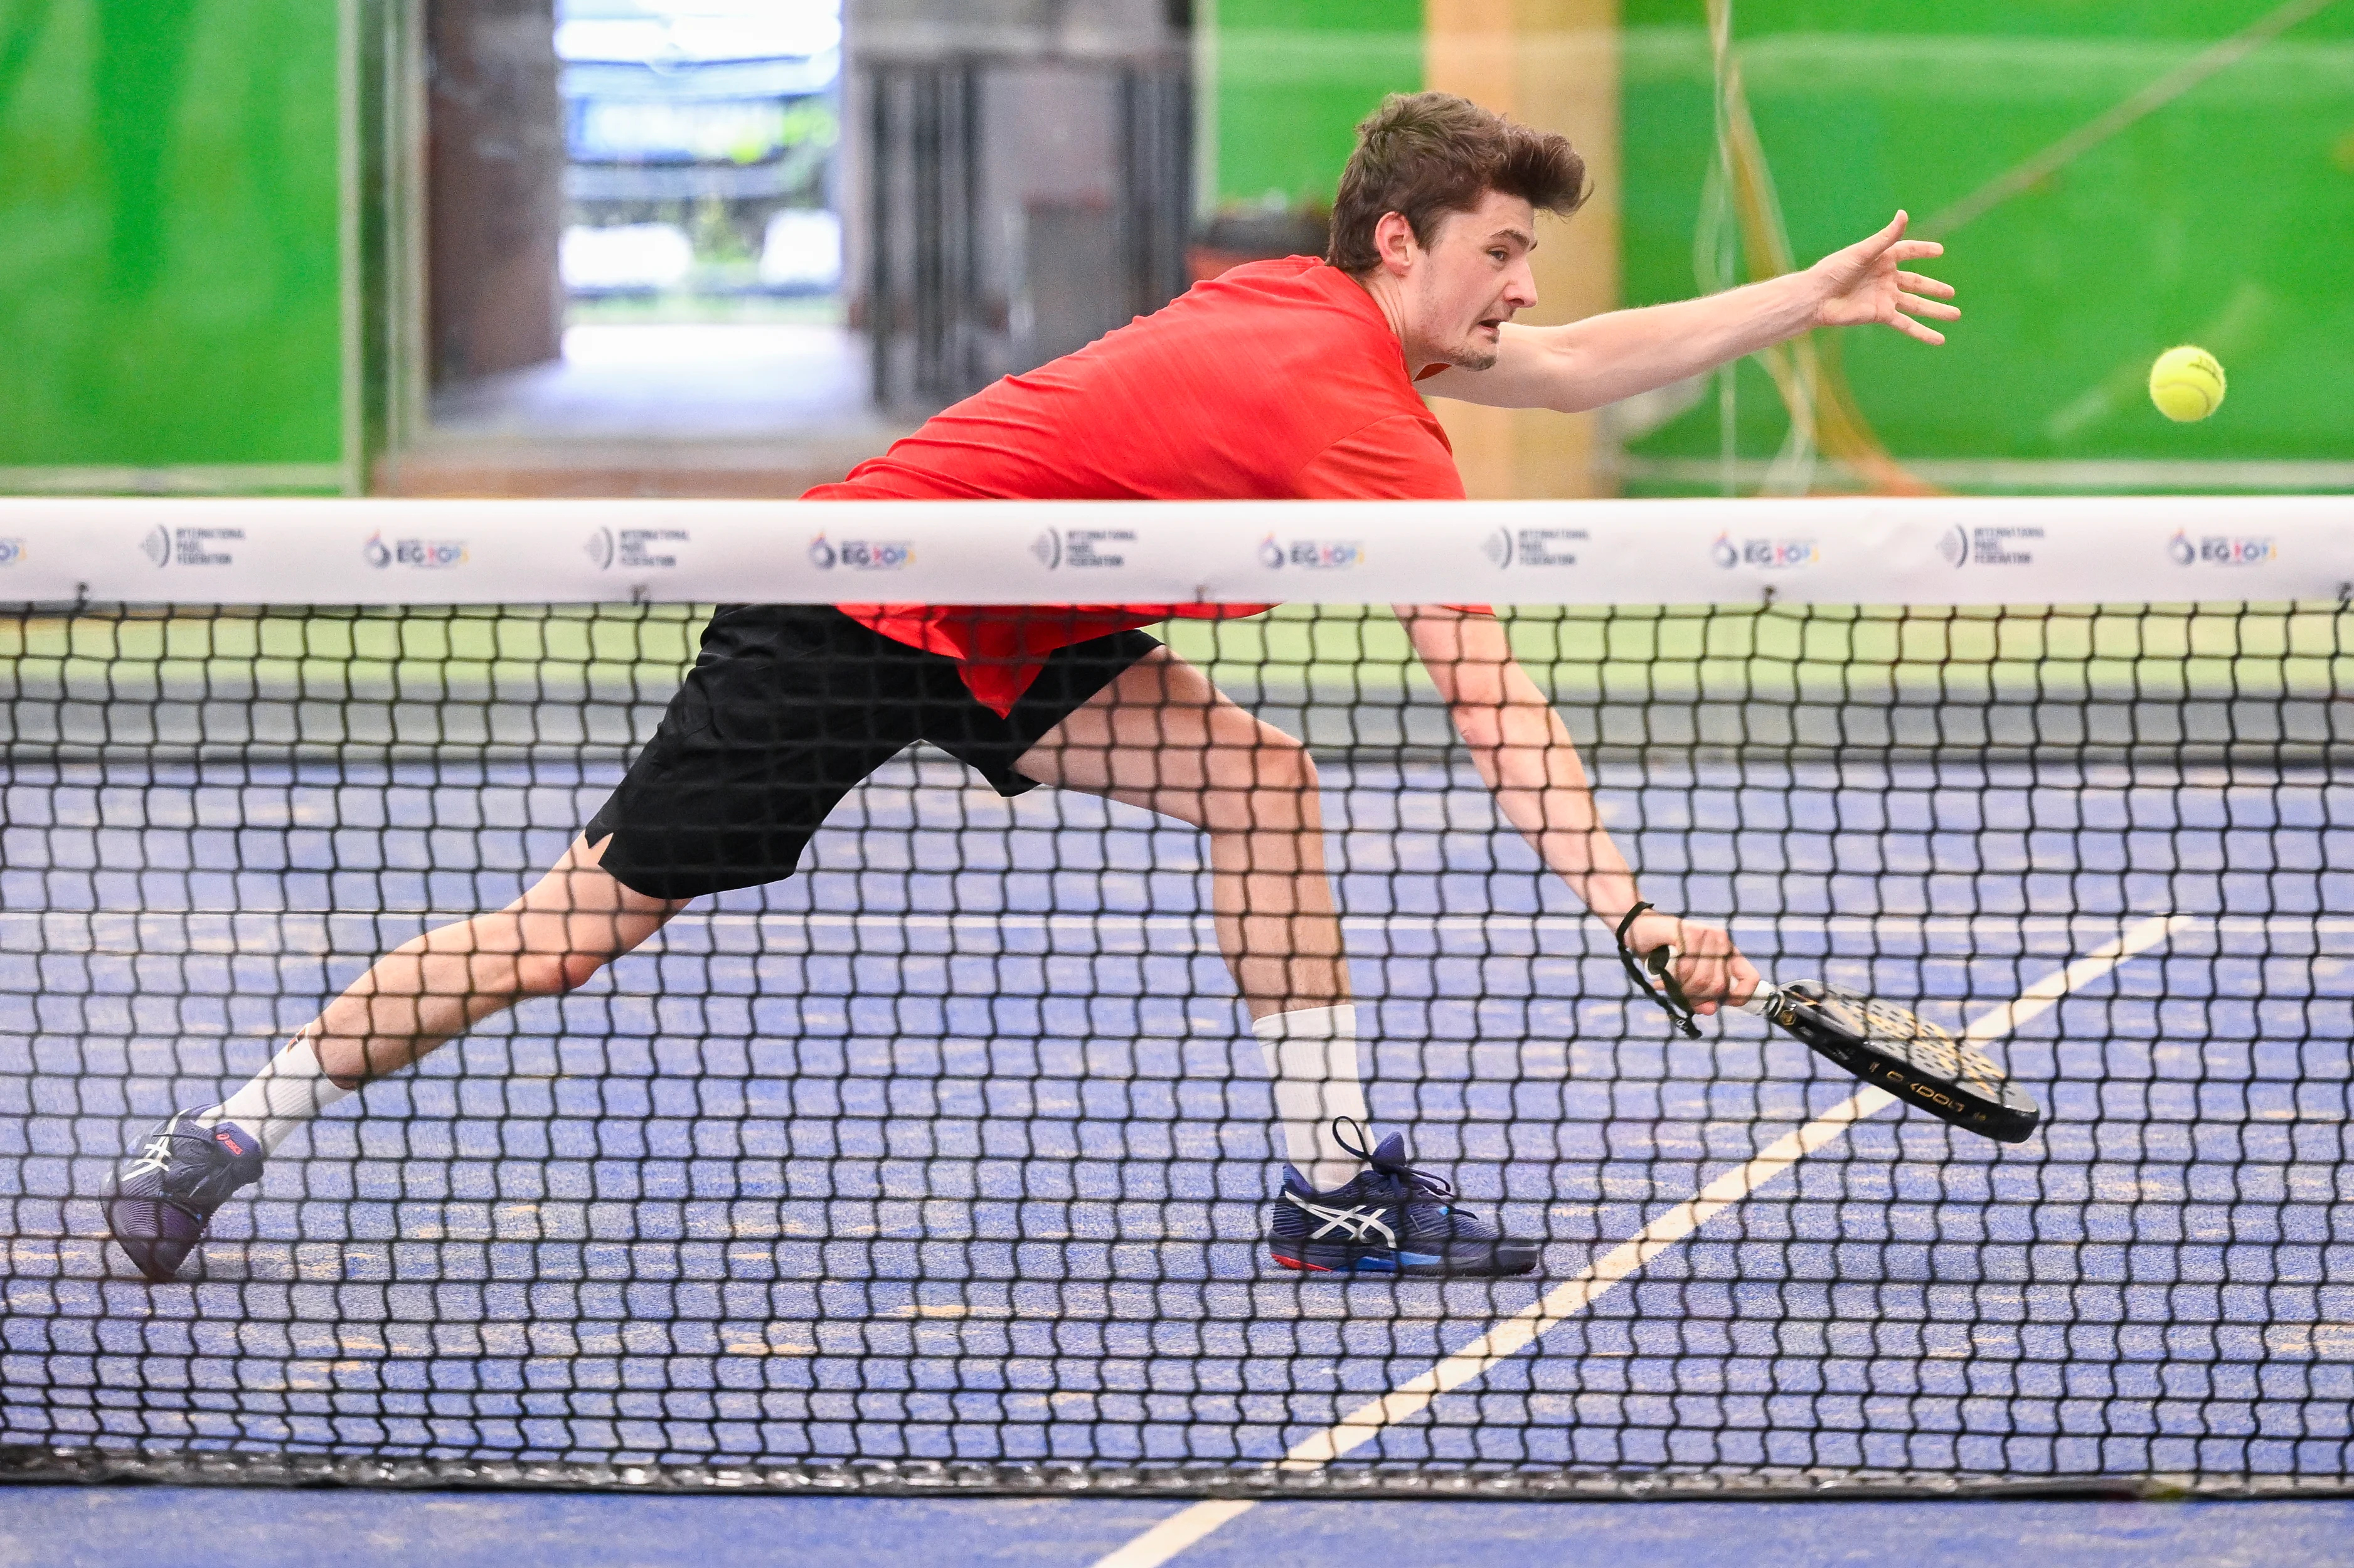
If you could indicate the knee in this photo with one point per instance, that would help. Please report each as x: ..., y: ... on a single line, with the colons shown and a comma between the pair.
x: 553, y: 974
x: 1285, y: 765
x: 1262, y: 778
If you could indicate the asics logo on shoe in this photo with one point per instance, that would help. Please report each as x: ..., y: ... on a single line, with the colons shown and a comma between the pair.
x: 1356, y: 1222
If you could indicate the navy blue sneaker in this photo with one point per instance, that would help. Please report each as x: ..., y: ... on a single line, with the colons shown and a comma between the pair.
x: 161, y: 1201
x: 1388, y: 1219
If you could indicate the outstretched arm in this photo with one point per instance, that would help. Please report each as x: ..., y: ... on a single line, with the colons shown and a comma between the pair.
x: 1604, y: 358
x: 1524, y: 752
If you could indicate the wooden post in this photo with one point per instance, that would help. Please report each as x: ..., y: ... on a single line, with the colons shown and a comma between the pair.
x: 1554, y: 64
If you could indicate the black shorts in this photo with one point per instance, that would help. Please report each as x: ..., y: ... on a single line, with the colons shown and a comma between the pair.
x: 789, y: 708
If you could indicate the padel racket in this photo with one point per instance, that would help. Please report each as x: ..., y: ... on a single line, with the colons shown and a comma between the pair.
x: 1913, y: 1059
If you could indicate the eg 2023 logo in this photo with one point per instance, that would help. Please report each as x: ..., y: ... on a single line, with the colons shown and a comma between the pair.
x: 1310, y: 555
x: 417, y: 554
x: 861, y: 555
x: 1767, y: 555
x: 2220, y: 550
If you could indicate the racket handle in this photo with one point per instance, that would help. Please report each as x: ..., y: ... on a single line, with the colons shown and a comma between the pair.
x: 1759, y: 999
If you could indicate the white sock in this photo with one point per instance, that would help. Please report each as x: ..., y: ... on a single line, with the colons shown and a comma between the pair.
x: 1312, y: 1056
x: 288, y: 1091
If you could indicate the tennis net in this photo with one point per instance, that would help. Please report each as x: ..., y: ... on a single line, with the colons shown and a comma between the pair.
x: 946, y: 1163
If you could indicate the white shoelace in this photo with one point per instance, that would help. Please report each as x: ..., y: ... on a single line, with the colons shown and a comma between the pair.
x: 156, y: 1157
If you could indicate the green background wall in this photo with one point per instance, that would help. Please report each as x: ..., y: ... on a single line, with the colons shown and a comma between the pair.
x: 2225, y: 217
x: 1294, y: 78
x: 2222, y: 217
x: 172, y: 271
x: 171, y: 256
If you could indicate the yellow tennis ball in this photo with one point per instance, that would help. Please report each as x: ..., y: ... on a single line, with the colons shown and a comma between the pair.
x: 2186, y: 383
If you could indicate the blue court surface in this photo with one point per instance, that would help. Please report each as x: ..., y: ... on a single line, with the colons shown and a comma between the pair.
x: 953, y: 1148
x: 124, y: 1528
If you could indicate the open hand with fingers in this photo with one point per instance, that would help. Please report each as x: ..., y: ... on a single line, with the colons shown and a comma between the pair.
x: 1706, y: 966
x: 1867, y: 282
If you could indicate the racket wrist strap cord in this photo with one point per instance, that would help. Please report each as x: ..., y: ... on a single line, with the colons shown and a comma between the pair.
x: 1654, y: 975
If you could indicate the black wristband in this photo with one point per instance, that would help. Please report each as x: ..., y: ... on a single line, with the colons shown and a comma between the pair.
x: 1668, y: 992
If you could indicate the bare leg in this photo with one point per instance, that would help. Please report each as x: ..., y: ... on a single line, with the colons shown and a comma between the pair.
x: 574, y: 922
x: 433, y: 987
x: 1161, y: 736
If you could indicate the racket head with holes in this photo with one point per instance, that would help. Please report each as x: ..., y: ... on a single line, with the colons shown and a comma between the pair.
x: 1912, y: 1058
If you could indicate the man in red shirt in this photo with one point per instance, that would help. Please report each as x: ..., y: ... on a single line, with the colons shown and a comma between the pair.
x: 1281, y: 379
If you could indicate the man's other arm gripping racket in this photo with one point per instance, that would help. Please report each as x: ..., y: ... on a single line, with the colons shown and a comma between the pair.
x: 1912, y: 1058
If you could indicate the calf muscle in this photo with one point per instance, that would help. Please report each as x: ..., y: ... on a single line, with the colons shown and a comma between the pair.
x: 572, y: 923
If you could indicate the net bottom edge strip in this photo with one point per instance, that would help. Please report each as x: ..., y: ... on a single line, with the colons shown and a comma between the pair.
x: 36, y: 1465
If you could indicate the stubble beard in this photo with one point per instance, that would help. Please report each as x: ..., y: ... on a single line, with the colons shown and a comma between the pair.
x: 1474, y: 352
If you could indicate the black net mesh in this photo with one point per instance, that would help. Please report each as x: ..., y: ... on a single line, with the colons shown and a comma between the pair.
x: 949, y: 1156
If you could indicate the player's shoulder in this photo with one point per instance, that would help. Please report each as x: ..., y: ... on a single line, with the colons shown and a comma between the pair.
x: 1306, y: 284
x: 1305, y: 331
x: 1297, y: 272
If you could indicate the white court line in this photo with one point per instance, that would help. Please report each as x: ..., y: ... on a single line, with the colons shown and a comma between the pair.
x: 1516, y: 1334
x: 1176, y: 1533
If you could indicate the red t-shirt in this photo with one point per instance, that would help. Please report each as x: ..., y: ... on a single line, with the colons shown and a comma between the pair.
x: 1279, y: 380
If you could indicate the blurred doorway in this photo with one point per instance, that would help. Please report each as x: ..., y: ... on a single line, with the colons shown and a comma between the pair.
x: 733, y: 247
x: 635, y: 256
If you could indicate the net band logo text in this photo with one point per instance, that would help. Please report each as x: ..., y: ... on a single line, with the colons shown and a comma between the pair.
x: 190, y: 546
x: 649, y: 549
x: 1988, y: 546
x: 1082, y: 548
x: 1507, y: 547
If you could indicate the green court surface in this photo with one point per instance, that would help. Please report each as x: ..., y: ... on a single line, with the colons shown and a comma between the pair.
x: 1603, y: 663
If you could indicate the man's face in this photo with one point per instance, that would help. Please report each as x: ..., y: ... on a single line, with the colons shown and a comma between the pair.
x: 1457, y: 294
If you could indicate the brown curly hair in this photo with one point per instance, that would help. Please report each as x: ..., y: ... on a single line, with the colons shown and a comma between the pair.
x: 1426, y: 154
